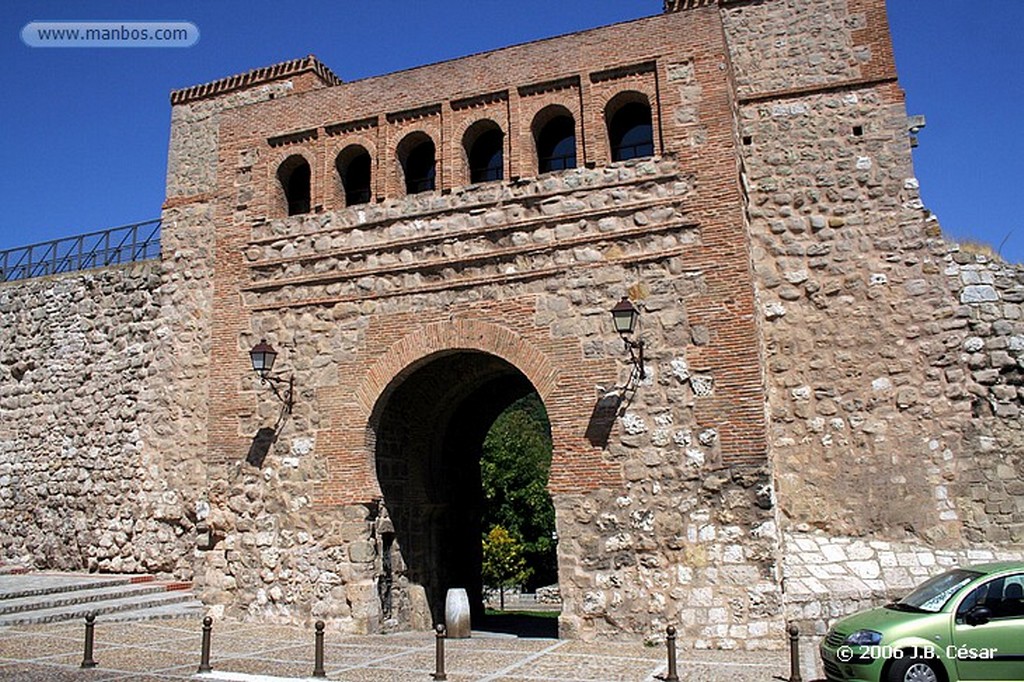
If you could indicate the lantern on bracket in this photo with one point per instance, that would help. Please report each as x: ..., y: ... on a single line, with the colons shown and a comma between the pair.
x: 263, y: 357
x: 625, y: 317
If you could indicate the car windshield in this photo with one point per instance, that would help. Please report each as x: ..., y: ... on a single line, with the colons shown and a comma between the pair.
x: 933, y: 594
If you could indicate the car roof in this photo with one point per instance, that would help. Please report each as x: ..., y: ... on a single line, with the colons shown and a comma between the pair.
x: 996, y: 567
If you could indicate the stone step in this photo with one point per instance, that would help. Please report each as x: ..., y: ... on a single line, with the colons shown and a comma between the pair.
x: 43, y: 597
x: 87, y: 594
x: 29, y: 584
x: 192, y: 608
x: 133, y: 603
x: 12, y: 569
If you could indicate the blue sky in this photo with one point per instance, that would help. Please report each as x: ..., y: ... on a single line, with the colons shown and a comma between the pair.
x: 84, y: 131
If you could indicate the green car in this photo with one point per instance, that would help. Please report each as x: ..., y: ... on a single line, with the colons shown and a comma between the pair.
x: 966, y: 624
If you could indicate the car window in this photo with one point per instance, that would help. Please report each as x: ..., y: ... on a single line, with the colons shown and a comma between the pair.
x: 1011, y: 605
x: 1004, y: 597
x: 982, y: 595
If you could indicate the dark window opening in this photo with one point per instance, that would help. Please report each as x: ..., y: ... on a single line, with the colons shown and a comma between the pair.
x: 556, y: 145
x: 420, y: 168
x: 631, y: 133
x: 294, y: 176
x: 355, y: 178
x: 858, y: 131
x: 487, y: 157
x: 748, y: 140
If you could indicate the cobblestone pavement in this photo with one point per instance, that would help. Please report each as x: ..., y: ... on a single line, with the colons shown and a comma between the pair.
x: 163, y: 650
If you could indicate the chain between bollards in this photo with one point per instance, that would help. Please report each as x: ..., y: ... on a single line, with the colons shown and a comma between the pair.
x: 672, y: 674
x: 204, y: 660
x: 439, y: 673
x: 794, y: 654
x: 90, y: 622
x: 318, y: 651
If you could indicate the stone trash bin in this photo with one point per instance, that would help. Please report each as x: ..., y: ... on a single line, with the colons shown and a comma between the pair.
x: 456, y: 613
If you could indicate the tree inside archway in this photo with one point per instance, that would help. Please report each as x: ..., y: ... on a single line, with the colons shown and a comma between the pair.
x: 503, y: 564
x: 514, y: 471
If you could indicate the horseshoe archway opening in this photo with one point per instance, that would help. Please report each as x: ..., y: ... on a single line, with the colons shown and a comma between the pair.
x: 428, y: 431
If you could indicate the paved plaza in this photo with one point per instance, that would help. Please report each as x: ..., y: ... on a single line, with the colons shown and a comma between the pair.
x: 169, y: 649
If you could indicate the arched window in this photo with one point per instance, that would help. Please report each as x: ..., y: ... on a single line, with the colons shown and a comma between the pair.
x: 294, y: 176
x: 555, y: 136
x: 419, y: 163
x: 353, y: 166
x: 484, y: 144
x: 629, y: 131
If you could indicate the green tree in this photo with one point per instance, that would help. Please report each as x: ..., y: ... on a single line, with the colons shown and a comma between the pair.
x: 504, y: 564
x: 514, y: 471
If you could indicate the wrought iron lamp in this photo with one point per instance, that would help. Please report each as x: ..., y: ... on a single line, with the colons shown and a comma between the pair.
x: 625, y: 317
x: 263, y: 356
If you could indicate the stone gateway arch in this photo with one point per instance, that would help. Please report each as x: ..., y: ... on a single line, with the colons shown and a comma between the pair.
x: 831, y: 396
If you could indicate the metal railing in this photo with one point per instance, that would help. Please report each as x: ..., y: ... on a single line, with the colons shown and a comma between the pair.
x: 125, y: 244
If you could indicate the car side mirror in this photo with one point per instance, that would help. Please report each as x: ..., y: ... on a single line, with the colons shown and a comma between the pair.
x: 979, y: 615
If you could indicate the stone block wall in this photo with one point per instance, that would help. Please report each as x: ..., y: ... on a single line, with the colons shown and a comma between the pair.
x: 77, y: 489
x: 985, y: 360
x: 787, y: 46
x: 177, y: 392
x: 891, y: 356
x: 857, y: 411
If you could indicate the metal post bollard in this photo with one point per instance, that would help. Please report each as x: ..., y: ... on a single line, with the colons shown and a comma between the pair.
x: 794, y: 654
x: 318, y: 651
x: 90, y: 622
x: 439, y: 673
x: 204, y: 660
x: 672, y: 675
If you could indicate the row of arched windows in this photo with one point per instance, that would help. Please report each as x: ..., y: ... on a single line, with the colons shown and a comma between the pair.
x: 630, y: 135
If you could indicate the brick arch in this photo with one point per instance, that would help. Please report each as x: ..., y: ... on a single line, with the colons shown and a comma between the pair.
x: 544, y: 116
x: 616, y: 100
x: 334, y: 194
x: 411, y: 350
x: 609, y: 99
x: 368, y: 143
x: 277, y: 203
x: 429, y: 400
x: 615, y: 103
x: 462, y: 130
x: 557, y: 369
x: 348, y: 148
x: 410, y: 141
x: 468, y: 135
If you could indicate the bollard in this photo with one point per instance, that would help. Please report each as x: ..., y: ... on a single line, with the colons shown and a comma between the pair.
x: 670, y: 641
x: 90, y: 622
x: 318, y: 651
x: 204, y: 660
x: 439, y: 673
x: 794, y: 654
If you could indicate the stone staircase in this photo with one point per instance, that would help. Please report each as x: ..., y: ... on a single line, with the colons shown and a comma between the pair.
x: 44, y: 597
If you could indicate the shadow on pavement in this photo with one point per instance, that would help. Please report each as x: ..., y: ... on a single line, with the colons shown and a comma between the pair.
x: 519, y: 625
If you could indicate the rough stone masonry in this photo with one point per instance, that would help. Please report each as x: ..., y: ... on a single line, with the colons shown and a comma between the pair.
x: 831, y: 407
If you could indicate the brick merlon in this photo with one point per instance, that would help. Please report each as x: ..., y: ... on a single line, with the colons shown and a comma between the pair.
x: 281, y: 70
